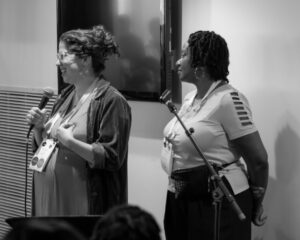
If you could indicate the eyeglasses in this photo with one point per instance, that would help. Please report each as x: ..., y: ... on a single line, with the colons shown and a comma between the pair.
x: 62, y: 55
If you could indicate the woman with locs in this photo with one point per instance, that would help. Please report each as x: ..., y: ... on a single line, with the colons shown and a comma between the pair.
x: 224, y: 130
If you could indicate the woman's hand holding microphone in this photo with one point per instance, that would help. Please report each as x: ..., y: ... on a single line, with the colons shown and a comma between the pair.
x: 37, y: 118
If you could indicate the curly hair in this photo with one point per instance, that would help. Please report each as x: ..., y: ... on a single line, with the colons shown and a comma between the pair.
x: 209, y: 50
x: 95, y: 42
x: 127, y: 223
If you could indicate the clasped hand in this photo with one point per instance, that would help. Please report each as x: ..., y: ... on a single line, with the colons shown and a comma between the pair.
x: 37, y: 117
x: 65, y: 133
x: 258, y: 217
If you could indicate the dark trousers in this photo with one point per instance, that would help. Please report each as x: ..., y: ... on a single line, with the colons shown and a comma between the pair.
x: 194, y: 220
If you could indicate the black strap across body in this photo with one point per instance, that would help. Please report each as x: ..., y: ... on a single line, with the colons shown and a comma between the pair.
x: 195, y: 183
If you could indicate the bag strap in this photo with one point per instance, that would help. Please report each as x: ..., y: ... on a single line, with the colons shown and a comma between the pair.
x: 227, y: 164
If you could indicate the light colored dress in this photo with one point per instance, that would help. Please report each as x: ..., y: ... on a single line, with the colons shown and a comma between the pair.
x: 61, y: 189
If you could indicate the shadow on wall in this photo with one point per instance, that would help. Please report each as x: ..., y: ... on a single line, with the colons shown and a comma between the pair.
x: 282, y: 201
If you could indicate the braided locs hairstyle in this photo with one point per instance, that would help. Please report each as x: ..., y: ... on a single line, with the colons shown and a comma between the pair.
x: 95, y: 42
x: 127, y: 223
x: 209, y: 50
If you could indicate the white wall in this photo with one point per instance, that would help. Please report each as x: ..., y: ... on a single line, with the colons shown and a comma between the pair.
x: 28, y: 44
x: 147, y: 181
x: 263, y: 39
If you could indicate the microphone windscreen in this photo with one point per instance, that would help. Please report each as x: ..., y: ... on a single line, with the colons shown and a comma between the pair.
x: 48, y: 92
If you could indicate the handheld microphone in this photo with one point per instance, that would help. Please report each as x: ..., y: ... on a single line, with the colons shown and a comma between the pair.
x: 47, y: 94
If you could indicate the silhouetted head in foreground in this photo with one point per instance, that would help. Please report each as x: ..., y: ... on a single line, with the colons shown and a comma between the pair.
x: 126, y: 222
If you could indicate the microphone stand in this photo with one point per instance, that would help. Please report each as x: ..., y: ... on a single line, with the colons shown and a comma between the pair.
x: 219, y: 187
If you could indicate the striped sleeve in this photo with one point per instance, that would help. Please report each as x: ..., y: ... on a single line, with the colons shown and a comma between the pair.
x: 236, y: 115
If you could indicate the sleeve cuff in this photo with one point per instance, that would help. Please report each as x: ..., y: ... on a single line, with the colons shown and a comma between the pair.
x: 98, y: 156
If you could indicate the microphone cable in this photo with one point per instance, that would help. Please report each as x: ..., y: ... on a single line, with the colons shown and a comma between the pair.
x: 26, y: 177
x: 47, y: 94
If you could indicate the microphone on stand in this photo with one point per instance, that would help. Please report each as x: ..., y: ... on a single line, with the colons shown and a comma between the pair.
x: 221, y: 187
x: 164, y: 96
x: 47, y: 94
x: 166, y: 99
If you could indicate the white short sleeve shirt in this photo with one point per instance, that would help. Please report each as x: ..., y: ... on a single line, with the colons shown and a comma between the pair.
x: 222, y: 115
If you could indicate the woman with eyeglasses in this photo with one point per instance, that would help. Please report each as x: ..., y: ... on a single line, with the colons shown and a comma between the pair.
x: 87, y: 133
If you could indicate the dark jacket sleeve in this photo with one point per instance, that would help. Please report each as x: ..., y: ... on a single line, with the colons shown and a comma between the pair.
x: 109, y: 122
x: 111, y: 146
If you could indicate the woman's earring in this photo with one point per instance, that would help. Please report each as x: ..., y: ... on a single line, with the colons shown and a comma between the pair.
x: 196, y: 75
